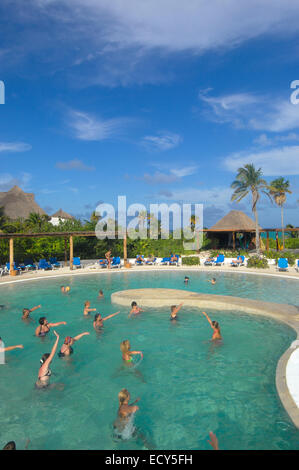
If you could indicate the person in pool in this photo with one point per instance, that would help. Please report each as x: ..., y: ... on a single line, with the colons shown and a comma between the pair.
x: 44, y: 373
x: 212, y: 281
x: 214, y: 441
x: 174, y: 311
x: 125, y: 411
x: 27, y: 311
x: 99, y: 320
x: 66, y: 348
x: 87, y: 308
x: 44, y: 326
x: 65, y: 289
x: 11, y: 445
x: 9, y: 348
x: 135, y: 310
x: 215, y: 326
x: 127, y: 354
x: 186, y: 280
x: 101, y: 295
x: 108, y: 258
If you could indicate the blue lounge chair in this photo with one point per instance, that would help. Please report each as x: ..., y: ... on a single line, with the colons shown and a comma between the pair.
x: 115, y: 262
x: 209, y: 262
x: 297, y: 267
x: 103, y: 263
x: 54, y: 263
x: 29, y: 264
x: 165, y: 260
x: 43, y: 264
x: 15, y: 266
x: 241, y: 259
x: 151, y: 261
x: 175, y: 262
x: 219, y: 260
x: 77, y: 262
x: 282, y: 264
x: 139, y: 261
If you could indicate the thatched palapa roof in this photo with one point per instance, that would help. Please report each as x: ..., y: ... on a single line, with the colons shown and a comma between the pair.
x: 235, y: 220
x: 62, y: 215
x: 18, y: 204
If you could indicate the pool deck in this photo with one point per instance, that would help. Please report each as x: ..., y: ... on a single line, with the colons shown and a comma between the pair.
x: 287, y: 371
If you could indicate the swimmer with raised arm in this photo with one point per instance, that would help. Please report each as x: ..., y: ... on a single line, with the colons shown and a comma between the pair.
x: 9, y: 348
x: 87, y: 308
x: 174, y: 311
x: 215, y: 327
x: 212, y: 281
x: 66, y: 348
x: 44, y: 373
x: 135, y: 310
x: 44, y: 327
x: 127, y: 354
x: 99, y: 320
x: 27, y: 311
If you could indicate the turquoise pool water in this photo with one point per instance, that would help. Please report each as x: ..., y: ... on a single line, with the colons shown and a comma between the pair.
x: 187, y: 385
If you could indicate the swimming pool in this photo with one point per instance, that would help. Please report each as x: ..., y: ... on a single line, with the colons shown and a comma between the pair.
x: 187, y: 385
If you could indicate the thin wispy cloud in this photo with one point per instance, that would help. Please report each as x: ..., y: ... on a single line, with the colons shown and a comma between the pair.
x: 162, y: 141
x: 282, y: 161
x: 171, y: 176
x: 247, y: 110
x: 85, y: 126
x: 7, y: 181
x: 14, y: 147
x: 264, y: 140
x: 75, y: 164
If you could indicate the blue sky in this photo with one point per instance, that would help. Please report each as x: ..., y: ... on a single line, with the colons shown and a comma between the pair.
x: 160, y: 101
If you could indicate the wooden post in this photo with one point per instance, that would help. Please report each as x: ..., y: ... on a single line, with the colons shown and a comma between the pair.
x: 11, y: 257
x: 234, y: 241
x: 125, y: 249
x: 71, y: 252
x: 268, y: 244
x: 65, y: 252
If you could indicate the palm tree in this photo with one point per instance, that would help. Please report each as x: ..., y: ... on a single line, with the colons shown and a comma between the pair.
x: 249, y: 180
x: 278, y: 190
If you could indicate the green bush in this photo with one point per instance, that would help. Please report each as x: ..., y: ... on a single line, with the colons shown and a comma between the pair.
x: 191, y: 261
x: 281, y: 254
x: 292, y: 243
x: 256, y: 262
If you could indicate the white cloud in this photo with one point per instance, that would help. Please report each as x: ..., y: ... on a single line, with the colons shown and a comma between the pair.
x: 263, y: 113
x: 74, y: 165
x: 282, y: 161
x: 87, y: 127
x: 14, y: 147
x: 282, y: 116
x: 7, y: 181
x: 201, y: 25
x: 173, y: 175
x: 124, y: 41
x: 163, y: 141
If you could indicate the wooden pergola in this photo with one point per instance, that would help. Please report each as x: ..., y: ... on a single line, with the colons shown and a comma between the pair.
x: 70, y: 236
x: 66, y: 235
